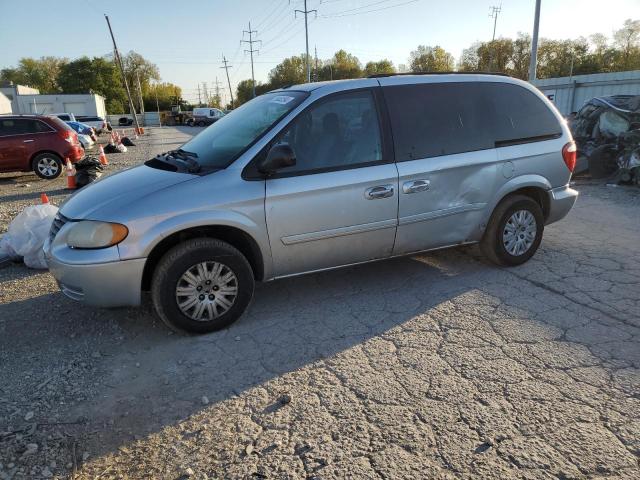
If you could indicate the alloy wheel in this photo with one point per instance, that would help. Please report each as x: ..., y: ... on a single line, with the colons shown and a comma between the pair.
x: 48, y: 167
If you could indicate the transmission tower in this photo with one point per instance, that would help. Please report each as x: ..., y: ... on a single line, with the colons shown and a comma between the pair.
x: 251, y: 51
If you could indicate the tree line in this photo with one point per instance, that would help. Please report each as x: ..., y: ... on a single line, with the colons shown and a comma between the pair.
x: 556, y: 58
x: 99, y: 75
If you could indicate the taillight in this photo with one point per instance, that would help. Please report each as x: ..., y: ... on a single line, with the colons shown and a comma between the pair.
x: 570, y: 155
x: 66, y: 135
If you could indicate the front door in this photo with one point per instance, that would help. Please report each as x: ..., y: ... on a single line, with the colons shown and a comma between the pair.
x: 338, y: 205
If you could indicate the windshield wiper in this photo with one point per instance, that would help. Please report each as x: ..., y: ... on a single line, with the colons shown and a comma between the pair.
x: 186, y: 158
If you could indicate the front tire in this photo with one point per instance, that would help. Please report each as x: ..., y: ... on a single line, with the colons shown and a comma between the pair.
x: 47, y: 165
x: 514, y: 232
x: 202, y: 285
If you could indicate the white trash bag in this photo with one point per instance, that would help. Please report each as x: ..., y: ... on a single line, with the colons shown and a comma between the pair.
x: 27, y: 233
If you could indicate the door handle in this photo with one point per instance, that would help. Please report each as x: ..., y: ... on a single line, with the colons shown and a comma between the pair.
x: 27, y: 141
x: 381, y: 191
x: 416, y: 186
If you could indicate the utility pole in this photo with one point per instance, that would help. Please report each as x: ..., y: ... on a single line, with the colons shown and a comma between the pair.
x: 534, y: 44
x: 158, y: 105
x: 315, y: 77
x: 124, y: 79
x: 141, y: 102
x: 306, y: 33
x: 493, y: 14
x: 227, y: 67
x: 199, y: 98
x: 251, y: 41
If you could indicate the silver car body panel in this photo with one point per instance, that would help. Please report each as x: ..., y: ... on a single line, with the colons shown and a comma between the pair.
x: 325, y: 219
x: 308, y: 222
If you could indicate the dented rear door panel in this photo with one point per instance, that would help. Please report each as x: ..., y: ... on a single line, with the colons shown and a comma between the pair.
x: 451, y: 209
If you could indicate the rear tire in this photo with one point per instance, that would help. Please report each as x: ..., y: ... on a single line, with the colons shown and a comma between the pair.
x: 201, y: 124
x: 47, y: 165
x: 202, y: 285
x: 514, y: 232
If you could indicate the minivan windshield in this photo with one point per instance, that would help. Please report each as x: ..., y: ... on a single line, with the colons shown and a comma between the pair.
x: 221, y: 143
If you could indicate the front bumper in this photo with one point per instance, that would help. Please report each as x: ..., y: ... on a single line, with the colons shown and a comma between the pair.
x: 561, y: 201
x: 101, y: 284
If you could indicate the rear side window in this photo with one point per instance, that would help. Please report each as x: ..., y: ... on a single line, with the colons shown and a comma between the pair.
x: 22, y: 126
x: 519, y: 116
x: 431, y: 120
x: 59, y: 124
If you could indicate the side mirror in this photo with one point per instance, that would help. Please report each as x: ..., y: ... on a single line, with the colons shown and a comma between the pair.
x: 280, y: 156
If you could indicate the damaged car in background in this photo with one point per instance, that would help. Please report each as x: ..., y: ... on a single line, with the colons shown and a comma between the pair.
x: 607, y: 133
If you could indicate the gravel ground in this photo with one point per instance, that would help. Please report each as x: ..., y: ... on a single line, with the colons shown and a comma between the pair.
x: 436, y: 366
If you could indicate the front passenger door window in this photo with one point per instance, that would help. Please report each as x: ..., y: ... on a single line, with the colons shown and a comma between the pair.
x: 340, y: 132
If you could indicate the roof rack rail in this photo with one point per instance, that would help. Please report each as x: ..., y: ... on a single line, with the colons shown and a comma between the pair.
x: 382, y: 75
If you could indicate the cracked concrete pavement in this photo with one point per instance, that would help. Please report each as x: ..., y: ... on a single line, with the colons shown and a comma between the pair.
x: 435, y: 366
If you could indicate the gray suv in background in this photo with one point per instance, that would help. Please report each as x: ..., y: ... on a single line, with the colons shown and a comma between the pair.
x: 315, y: 177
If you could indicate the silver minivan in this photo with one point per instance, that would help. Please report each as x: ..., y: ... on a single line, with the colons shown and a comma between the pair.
x: 314, y: 177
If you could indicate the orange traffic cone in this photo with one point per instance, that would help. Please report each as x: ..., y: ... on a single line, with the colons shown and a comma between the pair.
x: 103, y: 157
x: 44, y: 199
x: 71, y: 175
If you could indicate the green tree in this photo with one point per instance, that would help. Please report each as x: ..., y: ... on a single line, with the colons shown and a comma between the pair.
x: 244, y: 91
x: 94, y: 75
x: 135, y: 65
x: 167, y: 94
x: 290, y: 71
x: 382, y: 66
x: 39, y: 73
x: 431, y: 59
x: 521, y: 56
x: 627, y: 40
x: 342, y: 65
x: 470, y: 60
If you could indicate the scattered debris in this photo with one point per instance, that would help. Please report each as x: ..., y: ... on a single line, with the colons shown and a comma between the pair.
x: 205, y: 400
x: 26, y: 235
x: 607, y: 133
x: 88, y: 170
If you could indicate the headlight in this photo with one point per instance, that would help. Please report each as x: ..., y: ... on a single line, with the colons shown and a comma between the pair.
x: 91, y: 234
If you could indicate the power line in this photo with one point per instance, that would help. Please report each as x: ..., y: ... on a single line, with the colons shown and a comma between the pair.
x: 251, y: 50
x: 342, y: 14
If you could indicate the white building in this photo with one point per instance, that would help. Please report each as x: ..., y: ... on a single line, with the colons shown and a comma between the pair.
x: 29, y: 100
x: 5, y: 104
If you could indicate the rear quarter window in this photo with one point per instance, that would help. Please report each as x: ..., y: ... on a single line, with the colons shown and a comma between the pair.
x: 435, y: 119
x: 59, y: 124
x: 518, y: 115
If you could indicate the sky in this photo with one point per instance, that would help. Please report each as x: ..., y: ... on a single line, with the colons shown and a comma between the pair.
x: 187, y: 38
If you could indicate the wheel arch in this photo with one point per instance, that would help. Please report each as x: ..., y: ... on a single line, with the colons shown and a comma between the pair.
x: 40, y: 152
x: 535, y: 187
x: 234, y: 236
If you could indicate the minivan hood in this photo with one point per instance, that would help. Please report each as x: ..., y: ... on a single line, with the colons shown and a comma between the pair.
x: 119, y: 190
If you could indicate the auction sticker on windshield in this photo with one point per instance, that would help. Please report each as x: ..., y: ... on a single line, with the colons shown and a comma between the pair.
x: 282, y: 99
